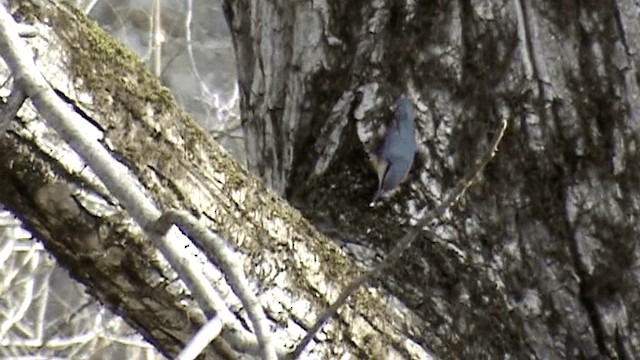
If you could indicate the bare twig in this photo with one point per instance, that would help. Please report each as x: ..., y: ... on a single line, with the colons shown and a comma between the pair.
x: 207, y: 333
x: 209, y: 97
x: 87, y: 9
x: 404, y: 243
x: 194, y: 67
x: 157, y: 38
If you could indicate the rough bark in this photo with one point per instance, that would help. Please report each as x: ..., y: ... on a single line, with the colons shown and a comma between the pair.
x: 295, y: 270
x: 541, y: 258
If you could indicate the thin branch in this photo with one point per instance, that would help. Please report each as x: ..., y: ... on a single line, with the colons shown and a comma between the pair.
x: 57, y: 326
x: 207, y: 333
x: 194, y: 67
x: 157, y: 38
x: 218, y: 251
x: 87, y: 9
x: 404, y: 243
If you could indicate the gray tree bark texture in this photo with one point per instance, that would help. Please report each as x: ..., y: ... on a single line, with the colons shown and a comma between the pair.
x: 295, y: 270
x: 541, y: 259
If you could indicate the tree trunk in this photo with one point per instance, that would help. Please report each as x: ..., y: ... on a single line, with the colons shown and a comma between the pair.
x: 295, y: 270
x: 540, y: 260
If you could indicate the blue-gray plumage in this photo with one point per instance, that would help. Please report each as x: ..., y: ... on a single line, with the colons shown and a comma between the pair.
x: 394, y: 154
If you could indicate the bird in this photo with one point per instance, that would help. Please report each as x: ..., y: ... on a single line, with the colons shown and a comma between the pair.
x: 393, y: 157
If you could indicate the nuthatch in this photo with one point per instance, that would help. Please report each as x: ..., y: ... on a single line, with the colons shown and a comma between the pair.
x: 394, y: 154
